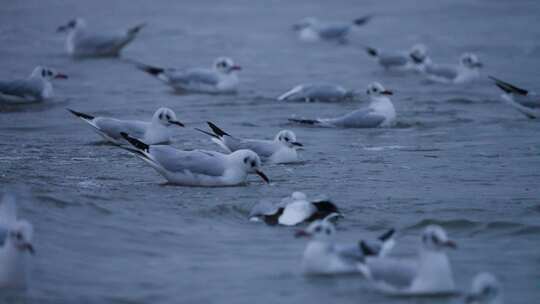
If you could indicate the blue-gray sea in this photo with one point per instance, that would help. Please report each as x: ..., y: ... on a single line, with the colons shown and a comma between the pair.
x: 108, y: 230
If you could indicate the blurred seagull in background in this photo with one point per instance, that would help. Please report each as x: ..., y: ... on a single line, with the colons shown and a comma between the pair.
x: 528, y: 103
x: 293, y: 210
x: 82, y: 43
x: 197, y: 167
x: 467, y: 70
x: 222, y: 77
x: 379, y: 113
x: 15, y: 245
x: 282, y: 149
x: 322, y: 92
x: 310, y: 29
x: 429, y: 274
x: 37, y: 87
x: 413, y: 59
x: 485, y: 289
x: 157, y: 131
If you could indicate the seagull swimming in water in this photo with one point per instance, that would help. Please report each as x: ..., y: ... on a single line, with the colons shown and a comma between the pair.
x: 293, y: 210
x: 528, y: 103
x: 467, y: 70
x: 379, y: 113
x: 413, y: 59
x: 157, y: 131
x: 37, y: 87
x: 323, y: 256
x: 486, y: 289
x: 82, y: 43
x: 221, y: 78
x: 311, y: 29
x: 197, y: 167
x: 429, y: 274
x: 281, y: 150
x: 15, y: 245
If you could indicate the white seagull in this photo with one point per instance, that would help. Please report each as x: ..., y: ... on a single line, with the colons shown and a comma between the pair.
x: 15, y: 245
x: 311, y: 29
x: 429, y: 274
x: 82, y: 43
x: 293, y: 210
x: 379, y: 113
x: 528, y: 103
x: 283, y: 149
x: 467, y: 70
x: 323, y: 92
x: 413, y: 59
x: 198, y: 167
x: 323, y: 256
x: 157, y: 131
x: 37, y: 87
x: 486, y: 289
x: 221, y: 78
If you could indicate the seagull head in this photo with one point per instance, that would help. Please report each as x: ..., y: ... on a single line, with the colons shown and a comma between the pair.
x: 485, y: 290
x: 250, y: 162
x: 73, y: 24
x: 166, y: 117
x: 288, y: 138
x: 376, y: 89
x: 226, y: 65
x: 471, y: 61
x: 21, y: 235
x: 318, y: 230
x: 47, y: 73
x: 435, y: 238
x: 418, y: 53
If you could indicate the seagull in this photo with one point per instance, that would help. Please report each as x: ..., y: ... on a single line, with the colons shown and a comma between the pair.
x: 323, y: 92
x: 486, y: 289
x: 379, y: 113
x: 429, y: 274
x: 156, y: 131
x: 197, y: 167
x: 37, y: 87
x: 323, y: 256
x: 522, y: 100
x: 412, y: 59
x: 293, y: 210
x: 15, y: 245
x: 467, y: 70
x: 221, y: 78
x: 310, y: 29
x: 281, y: 150
x: 82, y: 43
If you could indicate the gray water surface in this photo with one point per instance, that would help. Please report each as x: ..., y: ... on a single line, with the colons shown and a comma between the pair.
x: 108, y: 230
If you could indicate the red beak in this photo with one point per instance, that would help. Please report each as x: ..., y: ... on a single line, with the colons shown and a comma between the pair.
x: 61, y: 76
x: 387, y: 92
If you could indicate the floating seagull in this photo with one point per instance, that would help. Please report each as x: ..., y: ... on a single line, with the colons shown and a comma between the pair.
x: 82, y: 43
x: 323, y: 256
x: 15, y: 244
x: 278, y: 151
x: 379, y: 113
x: 323, y: 92
x: 467, y: 70
x: 198, y: 167
x: 156, y: 131
x: 310, y: 29
x: 486, y: 289
x: 293, y: 210
x: 37, y: 87
x: 429, y: 274
x: 522, y: 100
x: 221, y: 78
x: 413, y: 59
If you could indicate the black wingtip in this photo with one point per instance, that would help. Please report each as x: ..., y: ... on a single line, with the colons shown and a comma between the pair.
x: 304, y: 121
x: 81, y: 115
x: 135, y: 142
x: 326, y: 206
x: 366, y: 250
x: 136, y: 29
x: 152, y: 70
x: 371, y: 51
x: 362, y: 20
x: 387, y: 235
x: 216, y: 130
x: 507, y: 87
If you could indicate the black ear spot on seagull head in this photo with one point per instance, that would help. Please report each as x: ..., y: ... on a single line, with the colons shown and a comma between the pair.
x: 43, y: 72
x: 246, y: 159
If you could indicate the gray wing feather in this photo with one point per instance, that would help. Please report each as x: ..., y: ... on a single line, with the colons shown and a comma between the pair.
x: 363, y: 118
x: 22, y: 88
x: 444, y: 71
x: 95, y: 43
x: 323, y: 92
x: 112, y: 127
x: 194, y: 76
x: 197, y: 161
x: 334, y: 31
x: 349, y: 253
x: 391, y: 60
x: 398, y: 273
x: 264, y: 148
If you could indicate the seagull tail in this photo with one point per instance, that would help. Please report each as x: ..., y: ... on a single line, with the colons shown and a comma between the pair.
x: 217, y: 131
x: 387, y: 235
x: 362, y: 20
x: 81, y: 115
x: 305, y: 121
x: 136, y: 29
x: 152, y: 70
x: 508, y: 88
x: 371, y: 51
